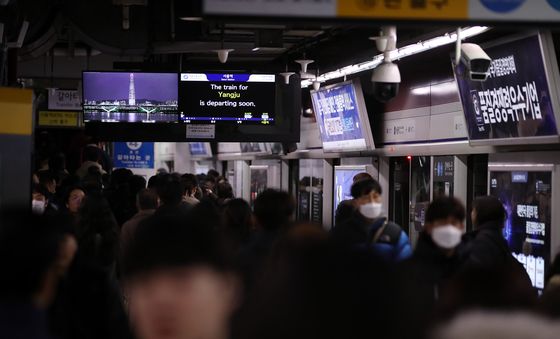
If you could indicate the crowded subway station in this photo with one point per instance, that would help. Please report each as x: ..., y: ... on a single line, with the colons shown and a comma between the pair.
x: 253, y: 169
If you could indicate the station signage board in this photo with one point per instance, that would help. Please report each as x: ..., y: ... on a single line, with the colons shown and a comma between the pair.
x: 58, y: 119
x: 517, y: 103
x: 64, y: 99
x: 438, y: 10
x: 133, y: 155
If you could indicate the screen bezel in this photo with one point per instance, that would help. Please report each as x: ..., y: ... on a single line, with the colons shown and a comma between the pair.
x: 362, y: 113
x: 207, y: 148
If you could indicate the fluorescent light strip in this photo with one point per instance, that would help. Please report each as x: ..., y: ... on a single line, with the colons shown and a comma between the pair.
x: 399, y: 53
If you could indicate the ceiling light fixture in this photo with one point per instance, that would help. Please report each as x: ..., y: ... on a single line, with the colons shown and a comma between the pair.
x: 399, y: 53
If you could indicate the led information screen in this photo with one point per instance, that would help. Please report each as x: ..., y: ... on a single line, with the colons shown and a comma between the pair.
x: 227, y: 98
x: 342, y: 117
x: 515, y: 102
x: 130, y: 97
x: 527, y: 198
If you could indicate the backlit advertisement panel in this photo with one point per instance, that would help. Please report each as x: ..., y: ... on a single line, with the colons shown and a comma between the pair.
x: 527, y: 198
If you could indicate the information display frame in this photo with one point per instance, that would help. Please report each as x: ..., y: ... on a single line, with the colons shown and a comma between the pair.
x: 362, y: 115
x: 205, y: 146
x: 522, y: 173
x: 552, y: 80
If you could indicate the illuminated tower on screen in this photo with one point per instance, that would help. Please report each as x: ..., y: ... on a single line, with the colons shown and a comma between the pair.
x: 131, y: 91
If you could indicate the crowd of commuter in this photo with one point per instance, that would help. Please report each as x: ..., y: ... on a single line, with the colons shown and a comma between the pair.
x: 106, y: 254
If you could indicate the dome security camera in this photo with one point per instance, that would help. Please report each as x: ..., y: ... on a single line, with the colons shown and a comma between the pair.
x: 223, y: 54
x: 287, y: 76
x: 386, y: 79
x: 476, y: 61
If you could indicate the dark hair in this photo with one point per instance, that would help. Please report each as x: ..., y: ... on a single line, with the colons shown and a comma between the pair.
x: 364, y: 187
x: 445, y: 207
x: 165, y: 241
x: 153, y: 181
x: 147, y: 199
x: 489, y: 209
x: 57, y: 162
x: 238, y: 219
x: 189, y: 182
x: 169, y: 189
x: 224, y: 191
x: 137, y: 183
x: 91, y: 153
x: 274, y: 209
x: 29, y: 246
x: 45, y: 177
x: 213, y: 173
x: 361, y: 176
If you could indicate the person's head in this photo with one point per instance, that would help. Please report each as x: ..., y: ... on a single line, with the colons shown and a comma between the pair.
x: 488, y: 210
x: 190, y: 184
x: 170, y: 190
x: 35, y: 252
x: 146, y: 199
x: 57, y: 162
x: 39, y: 202
x: 179, y: 281
x: 120, y: 177
x: 91, y: 154
x: 93, y: 181
x: 136, y: 183
x: 213, y: 174
x: 361, y: 176
x: 224, y: 191
x: 274, y: 209
x: 74, y: 200
x: 47, y: 181
x: 238, y: 219
x: 444, y: 222
x: 367, y: 197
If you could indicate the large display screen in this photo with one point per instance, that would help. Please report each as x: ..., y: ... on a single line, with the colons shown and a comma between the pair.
x: 130, y: 97
x: 342, y: 117
x: 227, y: 98
x: 527, y: 198
x: 343, y: 180
x: 515, y: 103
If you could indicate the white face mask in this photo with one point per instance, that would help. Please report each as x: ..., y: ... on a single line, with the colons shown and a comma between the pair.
x: 371, y: 210
x: 447, y: 236
x: 37, y: 207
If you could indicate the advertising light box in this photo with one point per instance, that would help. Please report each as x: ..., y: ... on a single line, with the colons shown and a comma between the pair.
x: 342, y: 117
x: 527, y: 198
x: 518, y: 102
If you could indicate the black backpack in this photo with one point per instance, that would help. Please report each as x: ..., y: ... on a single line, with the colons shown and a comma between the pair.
x: 383, y: 231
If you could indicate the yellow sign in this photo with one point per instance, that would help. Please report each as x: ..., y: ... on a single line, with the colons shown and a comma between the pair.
x: 16, y: 108
x: 404, y: 9
x: 58, y: 119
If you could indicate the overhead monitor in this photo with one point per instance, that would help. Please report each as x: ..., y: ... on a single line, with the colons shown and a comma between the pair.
x: 200, y: 149
x: 518, y: 103
x: 232, y: 98
x: 342, y: 117
x: 130, y: 97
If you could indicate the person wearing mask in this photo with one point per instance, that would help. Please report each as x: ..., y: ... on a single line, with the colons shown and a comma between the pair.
x: 179, y: 282
x: 35, y: 253
x: 91, y: 158
x: 434, y: 261
x: 190, y: 185
x: 345, y: 209
x: 147, y: 203
x: 367, y: 229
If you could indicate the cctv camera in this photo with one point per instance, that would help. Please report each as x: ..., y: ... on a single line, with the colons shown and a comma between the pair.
x: 386, y: 79
x: 476, y: 61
